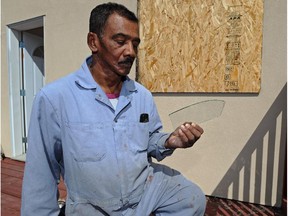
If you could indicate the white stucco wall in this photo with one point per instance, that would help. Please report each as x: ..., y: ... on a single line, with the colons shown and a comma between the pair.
x: 240, y: 152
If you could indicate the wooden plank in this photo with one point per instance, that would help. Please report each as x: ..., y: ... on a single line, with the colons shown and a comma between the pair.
x: 7, y: 211
x: 12, y: 167
x: 62, y: 194
x: 10, y: 180
x: 11, y: 201
x: 9, y: 172
x: 200, y: 46
x: 15, y: 162
x: 11, y: 190
x: 62, y: 186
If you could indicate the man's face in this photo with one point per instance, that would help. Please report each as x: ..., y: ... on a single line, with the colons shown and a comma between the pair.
x: 118, y: 45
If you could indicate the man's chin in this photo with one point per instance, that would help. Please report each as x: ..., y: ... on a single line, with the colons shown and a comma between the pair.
x: 124, y: 71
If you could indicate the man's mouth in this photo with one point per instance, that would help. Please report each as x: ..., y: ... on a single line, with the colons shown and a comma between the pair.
x: 127, y: 62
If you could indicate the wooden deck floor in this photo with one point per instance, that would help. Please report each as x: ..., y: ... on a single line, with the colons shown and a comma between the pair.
x: 11, y: 185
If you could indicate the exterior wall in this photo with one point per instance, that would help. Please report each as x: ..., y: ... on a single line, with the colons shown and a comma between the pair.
x: 241, y: 153
x: 65, y: 31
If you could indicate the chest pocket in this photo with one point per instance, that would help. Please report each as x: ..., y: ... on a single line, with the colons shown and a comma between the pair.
x: 137, y: 136
x: 87, y: 141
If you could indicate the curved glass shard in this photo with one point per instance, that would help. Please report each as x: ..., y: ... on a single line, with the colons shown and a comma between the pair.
x: 198, y: 112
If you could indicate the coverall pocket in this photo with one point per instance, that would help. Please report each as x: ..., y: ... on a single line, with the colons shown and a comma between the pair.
x: 138, y: 136
x: 86, y: 141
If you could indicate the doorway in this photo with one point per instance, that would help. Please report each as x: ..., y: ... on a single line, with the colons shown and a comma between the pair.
x: 26, y: 77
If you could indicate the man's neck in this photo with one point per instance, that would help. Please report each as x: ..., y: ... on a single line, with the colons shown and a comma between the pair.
x: 109, y: 82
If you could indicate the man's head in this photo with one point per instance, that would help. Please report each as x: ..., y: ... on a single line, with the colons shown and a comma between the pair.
x: 113, y: 39
x: 100, y: 14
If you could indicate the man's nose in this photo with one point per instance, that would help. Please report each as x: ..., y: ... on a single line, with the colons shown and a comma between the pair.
x: 130, y: 50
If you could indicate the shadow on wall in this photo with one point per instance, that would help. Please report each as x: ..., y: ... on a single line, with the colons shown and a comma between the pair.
x: 257, y: 173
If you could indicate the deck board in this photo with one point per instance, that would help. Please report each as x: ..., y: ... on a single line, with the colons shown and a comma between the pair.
x: 11, y: 186
x: 11, y: 201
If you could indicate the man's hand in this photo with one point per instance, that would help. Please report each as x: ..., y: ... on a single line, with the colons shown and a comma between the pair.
x: 184, y: 136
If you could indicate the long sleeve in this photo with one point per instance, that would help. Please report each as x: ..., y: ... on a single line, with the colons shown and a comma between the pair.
x: 157, y: 137
x: 42, y: 169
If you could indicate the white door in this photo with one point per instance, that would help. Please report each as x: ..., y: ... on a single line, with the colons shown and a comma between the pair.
x: 32, y: 75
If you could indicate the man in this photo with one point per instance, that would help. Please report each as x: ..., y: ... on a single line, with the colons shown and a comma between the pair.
x: 99, y: 130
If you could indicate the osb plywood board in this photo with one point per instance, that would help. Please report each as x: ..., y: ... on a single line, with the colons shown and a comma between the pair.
x: 200, y: 46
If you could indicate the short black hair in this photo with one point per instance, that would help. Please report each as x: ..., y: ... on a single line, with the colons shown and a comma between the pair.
x: 100, y: 14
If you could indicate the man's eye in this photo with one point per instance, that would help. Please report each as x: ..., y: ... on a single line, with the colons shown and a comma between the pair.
x: 135, y: 45
x: 120, y: 42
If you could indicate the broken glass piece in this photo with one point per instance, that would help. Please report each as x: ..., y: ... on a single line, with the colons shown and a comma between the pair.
x: 198, y: 112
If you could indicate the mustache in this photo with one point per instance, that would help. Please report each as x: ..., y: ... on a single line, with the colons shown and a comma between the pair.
x: 128, y: 60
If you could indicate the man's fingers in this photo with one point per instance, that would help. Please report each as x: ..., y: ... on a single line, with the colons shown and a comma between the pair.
x: 189, y: 132
x: 200, y: 129
x: 186, y: 137
x: 192, y: 130
x: 183, y: 134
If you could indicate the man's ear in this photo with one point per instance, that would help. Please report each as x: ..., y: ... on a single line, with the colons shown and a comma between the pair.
x: 92, y: 41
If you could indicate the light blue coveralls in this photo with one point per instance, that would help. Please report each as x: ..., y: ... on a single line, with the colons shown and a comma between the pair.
x: 103, y: 154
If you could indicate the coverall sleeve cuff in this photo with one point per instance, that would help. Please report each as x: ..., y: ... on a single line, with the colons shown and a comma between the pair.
x: 164, y: 151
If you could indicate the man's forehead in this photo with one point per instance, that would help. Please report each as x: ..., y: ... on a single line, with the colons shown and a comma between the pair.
x: 118, y: 23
